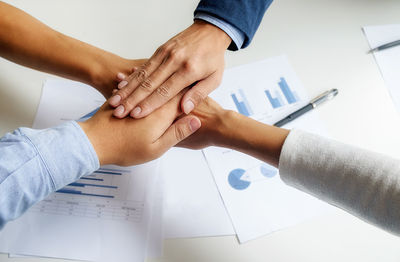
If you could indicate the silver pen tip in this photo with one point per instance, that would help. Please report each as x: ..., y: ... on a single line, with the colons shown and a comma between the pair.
x: 332, y: 93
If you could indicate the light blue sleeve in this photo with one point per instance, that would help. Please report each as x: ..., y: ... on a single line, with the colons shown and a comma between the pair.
x: 235, y: 34
x: 35, y: 163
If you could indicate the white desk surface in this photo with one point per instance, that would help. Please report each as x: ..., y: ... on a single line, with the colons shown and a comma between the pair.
x: 325, y: 44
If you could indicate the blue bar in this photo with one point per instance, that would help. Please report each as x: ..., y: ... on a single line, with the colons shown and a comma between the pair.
x: 107, y: 173
x: 241, y: 107
x: 244, y: 109
x: 296, y: 96
x: 113, y: 170
x: 237, y: 104
x: 77, y: 184
x: 76, y: 192
x: 246, y: 103
x: 274, y: 101
x: 286, y: 91
x: 91, y: 178
x: 69, y: 191
x: 279, y: 97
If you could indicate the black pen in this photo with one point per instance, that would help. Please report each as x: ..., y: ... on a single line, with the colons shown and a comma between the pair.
x: 328, y: 95
x: 385, y: 46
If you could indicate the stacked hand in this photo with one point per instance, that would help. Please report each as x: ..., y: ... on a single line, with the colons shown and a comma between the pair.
x: 135, y: 141
x: 195, y: 57
x: 155, y: 92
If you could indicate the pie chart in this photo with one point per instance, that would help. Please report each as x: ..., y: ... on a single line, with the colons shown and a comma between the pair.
x: 268, y: 171
x: 235, y: 179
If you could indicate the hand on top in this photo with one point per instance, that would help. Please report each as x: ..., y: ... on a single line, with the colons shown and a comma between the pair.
x: 193, y: 57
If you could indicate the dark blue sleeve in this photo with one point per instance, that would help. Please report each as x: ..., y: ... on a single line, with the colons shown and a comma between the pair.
x: 245, y: 15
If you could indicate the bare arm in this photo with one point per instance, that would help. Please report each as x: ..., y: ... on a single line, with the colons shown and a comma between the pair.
x: 28, y: 42
x: 232, y: 130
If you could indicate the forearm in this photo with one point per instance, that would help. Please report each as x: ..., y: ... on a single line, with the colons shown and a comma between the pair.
x: 252, y: 137
x: 35, y: 163
x: 27, y: 41
x: 364, y: 183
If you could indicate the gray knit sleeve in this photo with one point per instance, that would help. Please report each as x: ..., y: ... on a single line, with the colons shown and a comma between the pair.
x: 363, y: 183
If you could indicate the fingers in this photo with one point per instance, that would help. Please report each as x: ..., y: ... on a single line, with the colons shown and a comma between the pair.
x: 200, y: 91
x: 129, y: 84
x: 162, y: 94
x: 141, y: 85
x: 148, y: 87
x: 120, y: 76
x: 178, y: 131
x: 167, y: 114
x: 122, y: 100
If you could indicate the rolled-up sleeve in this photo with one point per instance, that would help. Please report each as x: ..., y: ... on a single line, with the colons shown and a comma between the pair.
x: 35, y: 163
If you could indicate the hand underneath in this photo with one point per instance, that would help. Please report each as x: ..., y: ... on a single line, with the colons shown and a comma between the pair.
x: 107, y: 77
x: 195, y: 56
x: 134, y: 141
x: 211, y: 133
x: 229, y: 129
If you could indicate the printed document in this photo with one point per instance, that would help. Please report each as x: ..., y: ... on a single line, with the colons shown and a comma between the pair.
x: 255, y: 197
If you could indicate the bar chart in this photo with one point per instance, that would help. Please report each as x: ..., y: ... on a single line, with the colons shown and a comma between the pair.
x: 276, y: 100
x: 242, y: 104
x: 102, y: 183
x: 104, y: 194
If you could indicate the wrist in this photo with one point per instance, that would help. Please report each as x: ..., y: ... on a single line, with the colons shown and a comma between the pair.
x: 102, y: 77
x: 103, y: 154
x: 254, y: 138
x: 226, y: 131
x: 222, y: 39
x: 103, y: 71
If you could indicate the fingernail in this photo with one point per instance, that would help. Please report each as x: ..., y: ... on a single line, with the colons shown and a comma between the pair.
x: 115, y: 91
x: 122, y: 84
x: 119, y: 110
x: 136, y: 111
x: 194, y: 124
x: 188, y: 107
x: 121, y: 76
x: 114, y: 101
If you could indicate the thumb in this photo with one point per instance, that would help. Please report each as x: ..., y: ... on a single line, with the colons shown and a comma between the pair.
x: 178, y: 131
x: 199, y: 92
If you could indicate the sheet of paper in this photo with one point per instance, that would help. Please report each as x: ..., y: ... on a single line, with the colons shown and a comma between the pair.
x: 193, y: 206
x: 388, y: 60
x: 102, y: 217
x: 156, y: 231
x: 155, y: 234
x: 257, y: 201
